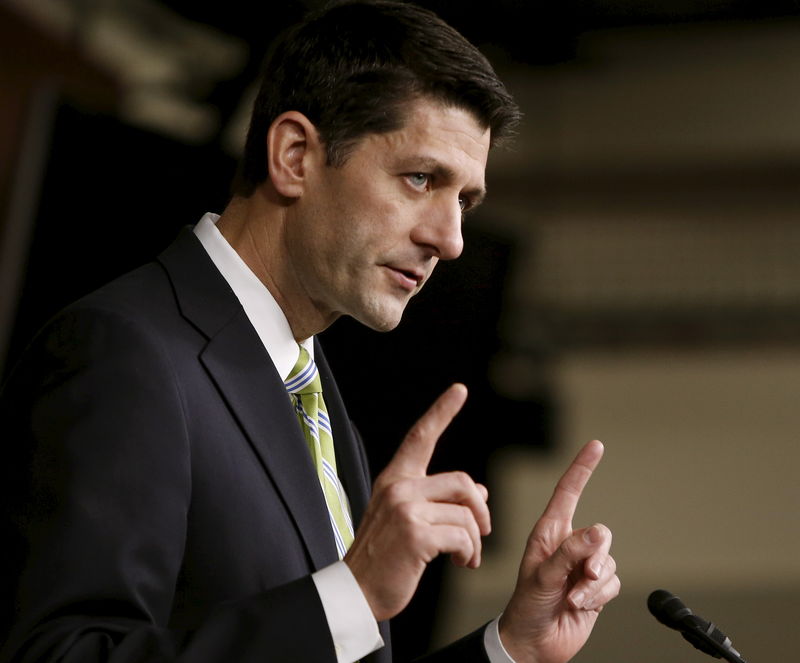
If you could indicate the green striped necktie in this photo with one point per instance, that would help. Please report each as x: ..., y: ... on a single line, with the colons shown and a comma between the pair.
x: 305, y: 390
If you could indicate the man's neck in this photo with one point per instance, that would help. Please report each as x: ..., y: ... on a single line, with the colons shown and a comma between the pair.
x: 254, y: 227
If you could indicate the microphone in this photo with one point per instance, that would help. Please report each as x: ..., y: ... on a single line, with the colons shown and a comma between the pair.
x: 705, y: 636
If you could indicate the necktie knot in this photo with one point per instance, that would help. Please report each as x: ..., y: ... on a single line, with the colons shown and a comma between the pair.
x: 304, y: 377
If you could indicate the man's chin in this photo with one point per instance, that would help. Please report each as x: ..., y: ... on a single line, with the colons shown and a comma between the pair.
x: 381, y: 321
x: 380, y: 325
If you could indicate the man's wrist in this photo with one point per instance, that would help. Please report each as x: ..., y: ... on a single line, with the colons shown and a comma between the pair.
x: 494, y: 646
x: 353, y: 627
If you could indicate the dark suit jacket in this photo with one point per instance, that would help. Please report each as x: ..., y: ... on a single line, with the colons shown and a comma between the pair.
x: 161, y: 502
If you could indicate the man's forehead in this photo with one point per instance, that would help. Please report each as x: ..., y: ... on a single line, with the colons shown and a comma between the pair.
x: 439, y: 135
x: 426, y: 113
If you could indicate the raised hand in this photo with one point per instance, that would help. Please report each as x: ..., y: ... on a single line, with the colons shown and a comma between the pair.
x: 565, y: 578
x: 413, y: 517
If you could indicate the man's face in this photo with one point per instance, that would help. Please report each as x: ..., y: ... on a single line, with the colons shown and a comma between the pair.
x: 367, y: 235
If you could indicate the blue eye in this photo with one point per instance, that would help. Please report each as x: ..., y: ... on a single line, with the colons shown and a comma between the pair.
x: 419, y: 179
x: 463, y: 203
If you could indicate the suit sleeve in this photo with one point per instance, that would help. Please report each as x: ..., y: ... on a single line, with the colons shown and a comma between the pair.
x: 469, y: 649
x: 97, y: 488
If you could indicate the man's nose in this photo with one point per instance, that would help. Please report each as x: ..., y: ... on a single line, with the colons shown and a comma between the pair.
x: 440, y: 230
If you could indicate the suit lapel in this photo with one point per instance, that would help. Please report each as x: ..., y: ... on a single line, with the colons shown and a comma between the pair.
x: 252, y: 389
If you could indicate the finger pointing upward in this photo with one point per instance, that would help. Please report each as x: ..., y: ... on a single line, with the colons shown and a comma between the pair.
x: 567, y: 493
x: 414, y: 454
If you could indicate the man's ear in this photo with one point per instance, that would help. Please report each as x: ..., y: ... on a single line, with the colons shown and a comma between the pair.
x: 292, y: 143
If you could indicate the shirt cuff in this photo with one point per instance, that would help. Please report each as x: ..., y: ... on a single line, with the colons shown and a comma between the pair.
x: 491, y: 642
x: 350, y: 620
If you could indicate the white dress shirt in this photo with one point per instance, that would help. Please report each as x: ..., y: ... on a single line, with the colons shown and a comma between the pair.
x: 352, y: 625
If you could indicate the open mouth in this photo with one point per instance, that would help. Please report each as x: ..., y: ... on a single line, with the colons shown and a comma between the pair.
x: 412, y: 276
x: 407, y: 278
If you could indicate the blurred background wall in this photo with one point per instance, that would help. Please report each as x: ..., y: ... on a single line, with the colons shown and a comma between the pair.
x: 633, y: 277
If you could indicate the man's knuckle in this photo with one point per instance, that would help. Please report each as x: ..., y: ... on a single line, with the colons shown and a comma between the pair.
x: 467, y: 542
x: 417, y: 538
x: 461, y: 484
x: 395, y: 493
x: 417, y: 433
x: 381, y: 483
x: 463, y: 478
x: 406, y: 511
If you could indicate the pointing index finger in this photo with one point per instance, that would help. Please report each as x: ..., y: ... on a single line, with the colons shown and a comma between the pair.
x: 568, y: 491
x: 414, y: 454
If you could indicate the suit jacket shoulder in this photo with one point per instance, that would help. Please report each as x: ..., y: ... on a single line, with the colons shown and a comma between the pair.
x: 160, y: 499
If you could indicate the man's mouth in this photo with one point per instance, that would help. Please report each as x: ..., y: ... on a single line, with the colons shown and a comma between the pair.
x: 409, y: 279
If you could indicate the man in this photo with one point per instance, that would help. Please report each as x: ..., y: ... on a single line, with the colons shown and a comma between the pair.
x: 177, y: 488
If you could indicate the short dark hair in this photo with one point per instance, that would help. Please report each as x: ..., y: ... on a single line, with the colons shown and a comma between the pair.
x: 353, y: 67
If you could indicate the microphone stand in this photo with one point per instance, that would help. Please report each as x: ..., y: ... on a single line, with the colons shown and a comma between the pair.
x: 702, y: 640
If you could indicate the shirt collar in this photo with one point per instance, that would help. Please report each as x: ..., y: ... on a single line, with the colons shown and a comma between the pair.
x: 259, y: 305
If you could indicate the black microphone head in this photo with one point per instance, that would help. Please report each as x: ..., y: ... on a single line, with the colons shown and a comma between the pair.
x: 705, y: 636
x: 667, y: 608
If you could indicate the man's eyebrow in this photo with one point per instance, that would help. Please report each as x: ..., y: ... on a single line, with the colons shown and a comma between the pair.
x: 441, y: 171
x: 477, y: 196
